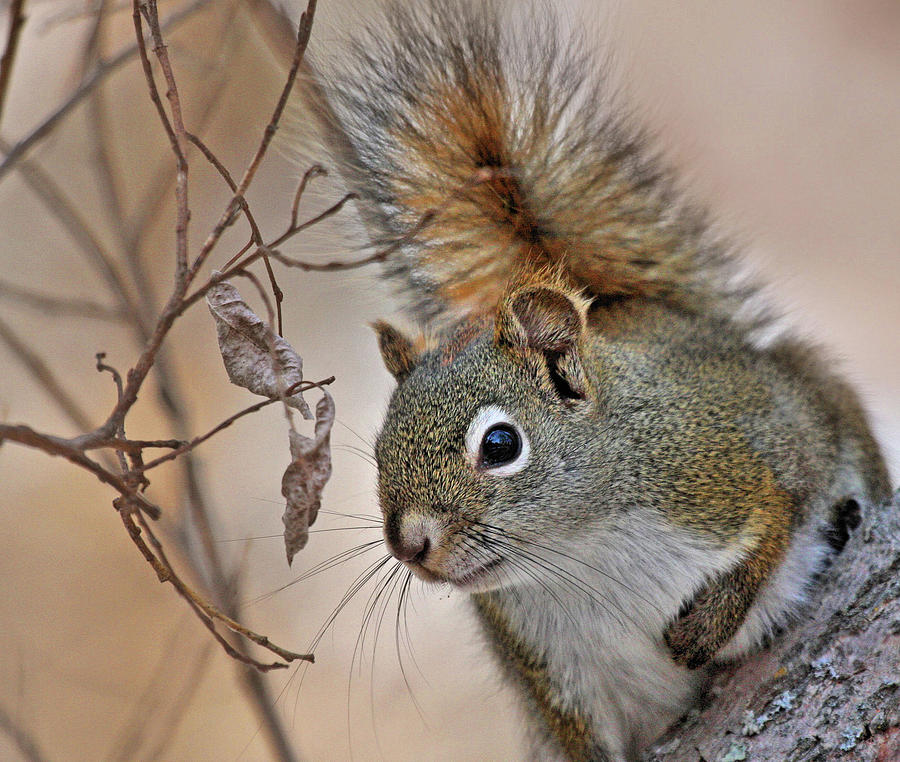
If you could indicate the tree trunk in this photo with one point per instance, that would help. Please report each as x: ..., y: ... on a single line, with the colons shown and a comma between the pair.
x: 829, y: 688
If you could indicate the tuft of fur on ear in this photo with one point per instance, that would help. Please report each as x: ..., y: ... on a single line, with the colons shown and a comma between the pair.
x: 397, y: 351
x: 549, y: 319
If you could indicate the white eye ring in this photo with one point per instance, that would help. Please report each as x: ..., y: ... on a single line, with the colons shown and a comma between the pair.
x: 486, y: 418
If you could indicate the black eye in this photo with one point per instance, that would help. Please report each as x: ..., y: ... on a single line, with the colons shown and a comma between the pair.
x: 501, y: 444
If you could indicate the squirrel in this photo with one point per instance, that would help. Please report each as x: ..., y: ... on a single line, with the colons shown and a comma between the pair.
x: 590, y: 436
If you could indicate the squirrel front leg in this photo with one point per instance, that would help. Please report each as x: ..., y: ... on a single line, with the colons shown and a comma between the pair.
x: 718, y: 610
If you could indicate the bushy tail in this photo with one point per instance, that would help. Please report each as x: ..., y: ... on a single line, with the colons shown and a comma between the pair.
x: 479, y: 143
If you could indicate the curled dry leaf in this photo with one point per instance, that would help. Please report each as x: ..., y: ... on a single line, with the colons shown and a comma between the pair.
x: 306, y: 476
x: 255, y: 356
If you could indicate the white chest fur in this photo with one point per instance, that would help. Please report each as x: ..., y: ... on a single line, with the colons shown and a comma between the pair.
x: 597, y: 624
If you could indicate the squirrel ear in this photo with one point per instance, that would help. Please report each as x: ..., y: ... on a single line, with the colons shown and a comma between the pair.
x: 551, y: 321
x: 397, y: 350
x: 540, y: 317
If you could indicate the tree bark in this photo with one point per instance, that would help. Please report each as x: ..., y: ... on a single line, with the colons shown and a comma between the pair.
x: 829, y: 688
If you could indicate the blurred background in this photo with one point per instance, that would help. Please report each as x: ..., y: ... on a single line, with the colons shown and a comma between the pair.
x: 783, y: 118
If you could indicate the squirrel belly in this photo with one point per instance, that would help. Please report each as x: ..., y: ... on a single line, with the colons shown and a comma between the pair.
x: 588, y: 437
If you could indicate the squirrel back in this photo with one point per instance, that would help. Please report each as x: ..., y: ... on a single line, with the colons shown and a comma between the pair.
x: 490, y: 148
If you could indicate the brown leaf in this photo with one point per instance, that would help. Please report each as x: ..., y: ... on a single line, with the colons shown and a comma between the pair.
x: 306, y: 476
x: 255, y: 356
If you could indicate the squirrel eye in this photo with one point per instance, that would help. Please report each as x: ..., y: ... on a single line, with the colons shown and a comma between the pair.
x: 501, y: 445
x: 496, y: 445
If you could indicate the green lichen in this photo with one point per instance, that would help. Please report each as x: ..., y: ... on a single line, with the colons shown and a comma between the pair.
x: 851, y: 737
x: 736, y: 753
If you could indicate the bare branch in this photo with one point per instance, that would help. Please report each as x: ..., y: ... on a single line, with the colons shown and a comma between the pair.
x: 41, y: 372
x: 117, y: 380
x: 174, y: 129
x: 303, y: 32
x: 316, y: 170
x: 226, y: 175
x: 301, y: 387
x: 83, y: 90
x: 166, y: 573
x: 329, y: 212
x: 63, y: 447
x: 134, y: 445
x: 16, y: 22
x: 59, y: 305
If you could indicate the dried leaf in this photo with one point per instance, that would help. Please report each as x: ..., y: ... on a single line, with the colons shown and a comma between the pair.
x: 306, y: 476
x: 255, y: 356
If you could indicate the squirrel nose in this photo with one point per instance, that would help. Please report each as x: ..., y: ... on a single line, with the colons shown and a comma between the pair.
x: 412, y: 546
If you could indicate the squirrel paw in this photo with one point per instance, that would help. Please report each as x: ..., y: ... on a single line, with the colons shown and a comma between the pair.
x: 689, y: 641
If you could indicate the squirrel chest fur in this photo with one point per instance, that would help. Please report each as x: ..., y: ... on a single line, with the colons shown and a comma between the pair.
x: 590, y: 441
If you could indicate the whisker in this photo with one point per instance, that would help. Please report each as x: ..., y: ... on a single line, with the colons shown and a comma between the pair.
x: 521, y: 563
x: 560, y: 572
x: 358, y: 584
x: 330, y: 563
x: 404, y: 604
x: 549, y: 549
x: 375, y: 598
x: 249, y: 539
x: 375, y: 520
x: 368, y: 443
x: 367, y: 457
x: 404, y: 591
x: 280, y: 536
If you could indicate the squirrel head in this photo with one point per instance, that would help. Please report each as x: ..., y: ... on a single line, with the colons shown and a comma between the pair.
x: 485, y: 435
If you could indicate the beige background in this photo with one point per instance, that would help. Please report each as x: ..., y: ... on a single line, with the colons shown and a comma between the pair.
x: 785, y: 119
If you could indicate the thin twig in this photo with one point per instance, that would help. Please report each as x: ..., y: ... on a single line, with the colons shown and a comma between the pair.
x: 428, y: 216
x: 147, y: 209
x: 103, y: 367
x: 41, y: 372
x: 301, y: 387
x: 83, y: 90
x: 59, y: 305
x: 81, y: 232
x: 166, y: 573
x: 16, y: 22
x: 303, y: 32
x: 135, y: 445
x: 270, y: 312
x: 316, y: 170
x: 276, y: 292
x: 117, y: 380
x: 329, y: 212
x: 174, y: 129
x: 51, y: 445
x: 226, y: 175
